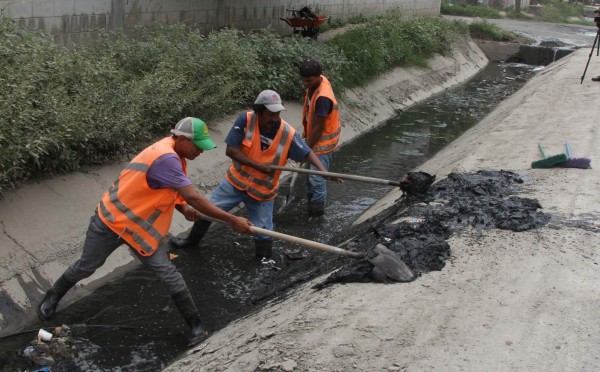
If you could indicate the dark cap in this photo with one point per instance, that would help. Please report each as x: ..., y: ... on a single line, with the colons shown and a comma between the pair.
x: 310, y: 67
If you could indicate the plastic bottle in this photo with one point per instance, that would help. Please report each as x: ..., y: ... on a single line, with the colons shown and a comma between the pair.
x: 29, y: 352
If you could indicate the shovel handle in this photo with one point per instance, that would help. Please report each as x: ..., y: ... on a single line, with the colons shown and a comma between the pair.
x: 338, y: 175
x: 296, y: 240
x: 307, y: 243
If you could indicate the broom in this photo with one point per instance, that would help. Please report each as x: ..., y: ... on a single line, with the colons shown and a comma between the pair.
x: 581, y: 163
x: 548, y: 161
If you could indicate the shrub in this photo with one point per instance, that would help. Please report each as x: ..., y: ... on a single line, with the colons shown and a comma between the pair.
x: 486, y: 31
x: 469, y: 11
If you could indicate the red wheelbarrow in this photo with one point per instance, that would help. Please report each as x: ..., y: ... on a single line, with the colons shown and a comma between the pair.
x: 305, y: 22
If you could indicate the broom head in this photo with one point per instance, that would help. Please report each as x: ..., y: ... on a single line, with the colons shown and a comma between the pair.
x: 581, y: 163
x: 550, y: 161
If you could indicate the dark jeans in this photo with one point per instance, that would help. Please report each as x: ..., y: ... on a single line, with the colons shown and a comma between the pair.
x: 100, y: 242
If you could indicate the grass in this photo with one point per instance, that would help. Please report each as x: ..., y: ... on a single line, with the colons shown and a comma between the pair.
x: 469, y: 11
x: 487, y: 31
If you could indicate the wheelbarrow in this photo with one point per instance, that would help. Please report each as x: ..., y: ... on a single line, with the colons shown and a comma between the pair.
x: 305, y: 25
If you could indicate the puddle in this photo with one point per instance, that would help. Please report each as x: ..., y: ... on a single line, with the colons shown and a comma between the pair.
x: 225, y: 279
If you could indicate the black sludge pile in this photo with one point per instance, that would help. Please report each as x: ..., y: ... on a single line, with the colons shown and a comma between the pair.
x: 416, y: 228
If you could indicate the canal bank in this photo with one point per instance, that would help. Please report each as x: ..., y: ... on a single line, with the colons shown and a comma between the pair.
x: 505, y: 300
x: 43, y: 224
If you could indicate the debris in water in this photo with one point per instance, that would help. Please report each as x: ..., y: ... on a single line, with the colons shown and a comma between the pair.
x: 46, y: 350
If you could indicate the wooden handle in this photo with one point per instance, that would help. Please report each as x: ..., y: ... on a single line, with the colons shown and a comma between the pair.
x: 296, y: 240
x: 338, y: 175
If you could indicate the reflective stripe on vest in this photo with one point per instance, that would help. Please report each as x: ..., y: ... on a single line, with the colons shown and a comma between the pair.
x: 332, y: 131
x: 138, y: 214
x: 259, y: 185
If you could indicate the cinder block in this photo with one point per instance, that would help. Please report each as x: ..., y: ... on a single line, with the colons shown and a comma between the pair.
x: 84, y: 7
x: 64, y: 7
x: 53, y: 24
x: 175, y: 5
x: 43, y: 9
x: 145, y: 6
x: 174, y: 17
x: 20, y: 9
x: 101, y: 6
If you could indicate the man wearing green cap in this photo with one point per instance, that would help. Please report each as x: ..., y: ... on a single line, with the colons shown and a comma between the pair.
x: 137, y: 211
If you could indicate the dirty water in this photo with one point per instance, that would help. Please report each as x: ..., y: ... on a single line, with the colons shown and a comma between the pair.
x: 226, y: 280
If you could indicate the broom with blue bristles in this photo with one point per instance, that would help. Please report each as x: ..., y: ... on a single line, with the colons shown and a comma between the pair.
x: 548, y: 161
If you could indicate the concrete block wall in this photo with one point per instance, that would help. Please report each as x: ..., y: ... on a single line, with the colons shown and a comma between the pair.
x: 77, y: 21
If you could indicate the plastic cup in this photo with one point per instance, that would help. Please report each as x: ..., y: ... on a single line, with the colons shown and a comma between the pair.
x: 44, y: 335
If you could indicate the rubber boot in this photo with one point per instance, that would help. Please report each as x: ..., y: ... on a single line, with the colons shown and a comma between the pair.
x: 197, y: 232
x: 47, y: 307
x: 263, y: 248
x: 185, y: 304
x: 316, y: 209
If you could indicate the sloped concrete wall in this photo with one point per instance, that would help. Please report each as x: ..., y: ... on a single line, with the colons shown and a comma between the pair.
x: 77, y: 21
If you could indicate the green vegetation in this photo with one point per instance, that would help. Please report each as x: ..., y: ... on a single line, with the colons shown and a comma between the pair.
x: 391, y: 41
x: 487, y: 31
x: 555, y: 11
x: 559, y: 12
x: 62, y: 109
x: 469, y: 10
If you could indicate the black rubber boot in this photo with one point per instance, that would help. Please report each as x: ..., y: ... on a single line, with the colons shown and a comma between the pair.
x: 47, y: 307
x: 316, y: 209
x: 185, y: 304
x: 198, y: 231
x: 263, y: 248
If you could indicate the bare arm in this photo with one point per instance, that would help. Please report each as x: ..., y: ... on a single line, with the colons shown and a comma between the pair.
x: 237, y: 155
x: 202, y: 204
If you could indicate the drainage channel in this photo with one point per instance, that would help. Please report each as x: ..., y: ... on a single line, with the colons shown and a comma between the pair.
x: 223, y: 275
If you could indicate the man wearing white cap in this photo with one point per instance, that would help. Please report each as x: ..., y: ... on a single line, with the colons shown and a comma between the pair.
x: 257, y: 140
x: 137, y: 211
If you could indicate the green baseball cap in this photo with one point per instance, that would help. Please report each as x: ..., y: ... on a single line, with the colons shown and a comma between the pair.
x: 196, y: 130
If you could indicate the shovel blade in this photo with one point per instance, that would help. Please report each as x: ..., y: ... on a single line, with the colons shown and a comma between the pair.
x: 390, y: 264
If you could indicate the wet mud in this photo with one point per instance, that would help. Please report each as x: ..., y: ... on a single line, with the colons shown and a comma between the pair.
x: 416, y: 228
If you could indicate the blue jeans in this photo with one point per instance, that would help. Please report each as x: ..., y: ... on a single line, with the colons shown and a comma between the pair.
x: 260, y: 213
x: 316, y: 186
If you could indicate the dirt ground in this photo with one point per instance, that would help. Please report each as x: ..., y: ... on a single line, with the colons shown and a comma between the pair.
x: 506, y: 300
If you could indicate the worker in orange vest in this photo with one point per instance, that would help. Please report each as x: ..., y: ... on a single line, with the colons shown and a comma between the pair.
x: 322, y: 129
x: 137, y: 211
x: 257, y: 140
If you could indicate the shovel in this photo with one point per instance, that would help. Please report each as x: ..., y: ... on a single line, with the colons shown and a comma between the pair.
x: 288, y: 199
x: 338, y: 175
x: 379, y: 256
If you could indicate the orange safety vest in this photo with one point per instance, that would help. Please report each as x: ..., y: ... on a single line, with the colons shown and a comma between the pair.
x: 259, y: 185
x: 332, y: 131
x: 140, y: 215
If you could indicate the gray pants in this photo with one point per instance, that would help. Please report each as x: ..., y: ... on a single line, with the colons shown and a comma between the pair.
x: 100, y: 242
